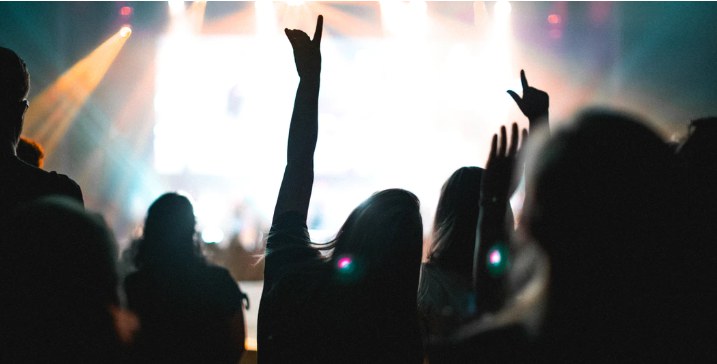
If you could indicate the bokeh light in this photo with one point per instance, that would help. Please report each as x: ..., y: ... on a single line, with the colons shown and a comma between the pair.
x: 125, y: 31
x: 498, y: 260
x: 125, y: 11
x: 344, y: 263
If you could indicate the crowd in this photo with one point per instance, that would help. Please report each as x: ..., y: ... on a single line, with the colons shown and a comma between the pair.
x: 611, y: 258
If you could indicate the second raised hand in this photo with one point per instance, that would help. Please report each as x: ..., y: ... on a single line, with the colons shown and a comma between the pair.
x: 497, y: 177
x: 534, y: 104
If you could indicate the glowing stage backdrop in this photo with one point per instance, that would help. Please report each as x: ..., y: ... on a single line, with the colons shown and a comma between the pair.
x: 199, y: 97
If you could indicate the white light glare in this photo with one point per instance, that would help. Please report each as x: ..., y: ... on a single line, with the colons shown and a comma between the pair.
x: 176, y: 7
x: 212, y: 235
x: 502, y: 9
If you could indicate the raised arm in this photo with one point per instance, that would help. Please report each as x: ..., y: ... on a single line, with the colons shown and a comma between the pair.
x: 534, y: 104
x: 492, y: 256
x: 295, y: 191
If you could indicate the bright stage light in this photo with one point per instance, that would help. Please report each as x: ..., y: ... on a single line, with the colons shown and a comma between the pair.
x: 206, y: 120
x: 265, y: 17
x: 295, y: 2
x: 404, y: 18
x: 502, y: 9
x: 125, y: 31
x: 176, y: 7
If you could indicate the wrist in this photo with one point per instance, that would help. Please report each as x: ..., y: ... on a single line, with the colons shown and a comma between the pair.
x: 538, y: 118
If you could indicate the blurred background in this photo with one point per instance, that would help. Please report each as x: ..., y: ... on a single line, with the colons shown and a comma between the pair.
x: 132, y: 99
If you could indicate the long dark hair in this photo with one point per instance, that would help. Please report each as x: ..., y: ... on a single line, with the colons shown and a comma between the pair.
x: 454, y: 226
x: 168, y: 237
x: 382, y: 237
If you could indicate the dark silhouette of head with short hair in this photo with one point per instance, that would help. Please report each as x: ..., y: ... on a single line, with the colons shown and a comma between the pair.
x: 21, y: 182
x: 14, y: 88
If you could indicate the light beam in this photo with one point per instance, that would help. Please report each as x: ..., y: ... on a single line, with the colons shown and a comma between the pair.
x: 52, y: 112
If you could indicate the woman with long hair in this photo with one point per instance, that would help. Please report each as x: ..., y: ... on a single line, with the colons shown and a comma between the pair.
x: 358, y: 302
x: 190, y: 311
x: 446, y: 298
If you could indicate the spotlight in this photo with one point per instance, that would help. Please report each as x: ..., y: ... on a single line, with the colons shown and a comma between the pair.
x: 553, y: 19
x: 176, y: 7
x: 125, y: 11
x: 502, y: 9
x: 125, y: 31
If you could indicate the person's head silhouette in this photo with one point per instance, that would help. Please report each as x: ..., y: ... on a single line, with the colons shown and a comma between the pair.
x: 14, y: 87
x: 169, y: 233
x: 381, y: 236
x: 454, y: 227
x: 59, y: 284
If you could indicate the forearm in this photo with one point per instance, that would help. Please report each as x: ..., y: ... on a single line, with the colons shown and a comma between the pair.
x: 491, y: 238
x: 303, y: 131
x: 297, y: 183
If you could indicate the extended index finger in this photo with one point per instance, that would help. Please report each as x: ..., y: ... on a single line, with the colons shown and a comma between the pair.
x: 523, y: 80
x: 319, y: 29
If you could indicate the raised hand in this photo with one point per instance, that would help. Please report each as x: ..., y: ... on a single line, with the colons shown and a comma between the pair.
x: 498, y: 174
x: 307, y: 52
x: 297, y: 184
x: 534, y: 103
x: 493, y: 234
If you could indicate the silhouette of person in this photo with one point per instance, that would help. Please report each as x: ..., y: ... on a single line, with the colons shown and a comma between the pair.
x: 190, y: 311
x: 59, y: 286
x: 30, y: 152
x: 21, y: 182
x: 356, y: 304
x: 445, y: 294
x: 599, y: 201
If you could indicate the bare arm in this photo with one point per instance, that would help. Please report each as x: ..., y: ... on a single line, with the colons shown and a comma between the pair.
x: 492, y: 257
x: 296, y: 186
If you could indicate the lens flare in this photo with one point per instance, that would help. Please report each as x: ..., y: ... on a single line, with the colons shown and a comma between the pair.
x: 344, y: 263
x: 495, y: 257
x: 497, y: 260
